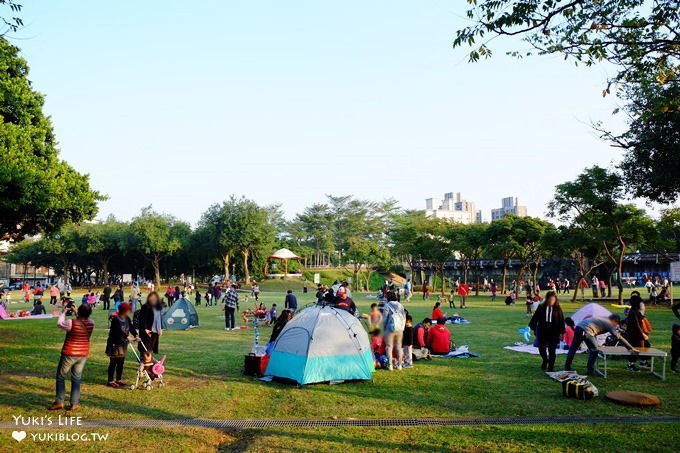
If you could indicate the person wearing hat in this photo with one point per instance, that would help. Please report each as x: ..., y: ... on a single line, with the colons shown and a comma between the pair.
x: 587, y: 331
x: 117, y: 344
x: 344, y: 302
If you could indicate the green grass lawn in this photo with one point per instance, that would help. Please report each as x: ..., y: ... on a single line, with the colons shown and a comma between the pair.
x: 205, y: 381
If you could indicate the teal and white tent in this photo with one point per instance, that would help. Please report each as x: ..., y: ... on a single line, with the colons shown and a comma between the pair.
x: 180, y: 316
x: 322, y: 344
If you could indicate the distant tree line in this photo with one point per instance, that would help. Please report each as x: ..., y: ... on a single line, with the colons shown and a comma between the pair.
x: 596, y: 228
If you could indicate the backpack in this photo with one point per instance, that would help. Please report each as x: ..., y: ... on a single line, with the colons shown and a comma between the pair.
x: 397, y: 321
x: 579, y: 389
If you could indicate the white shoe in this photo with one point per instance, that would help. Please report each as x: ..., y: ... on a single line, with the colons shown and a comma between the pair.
x: 389, y: 368
x: 227, y: 328
x: 399, y: 368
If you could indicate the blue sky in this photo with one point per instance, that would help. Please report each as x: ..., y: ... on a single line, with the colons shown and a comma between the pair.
x: 180, y: 104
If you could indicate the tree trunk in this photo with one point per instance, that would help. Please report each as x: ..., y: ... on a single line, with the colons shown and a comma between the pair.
x: 105, y: 270
x: 226, y: 266
x: 441, y: 275
x: 356, y: 277
x: 619, y: 281
x: 157, y: 271
x: 505, y: 275
x: 246, y: 254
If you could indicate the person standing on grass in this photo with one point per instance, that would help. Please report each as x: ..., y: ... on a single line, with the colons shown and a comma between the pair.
x: 135, y: 293
x: 118, y: 297
x: 408, y: 290
x: 394, y: 324
x: 463, y: 292
x: 596, y: 286
x: 426, y: 291
x: 54, y: 294
x: 117, y: 344
x: 106, y: 297
x: 74, y: 354
x: 494, y: 290
x: 603, y: 287
x: 150, y: 326
x: 587, y: 331
x: 230, y: 306
x: 548, y: 326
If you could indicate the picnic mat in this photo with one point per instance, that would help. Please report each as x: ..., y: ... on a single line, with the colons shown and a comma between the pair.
x: 531, y: 349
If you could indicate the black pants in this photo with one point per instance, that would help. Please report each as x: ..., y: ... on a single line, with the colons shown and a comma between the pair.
x: 53, y: 300
x: 674, y: 360
x: 106, y: 304
x: 151, y: 343
x: 229, y: 317
x: 547, y: 347
x: 116, y: 364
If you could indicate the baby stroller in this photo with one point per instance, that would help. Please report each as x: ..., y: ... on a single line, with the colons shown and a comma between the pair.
x: 150, y: 371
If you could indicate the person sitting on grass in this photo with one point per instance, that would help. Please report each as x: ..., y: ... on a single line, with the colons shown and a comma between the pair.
x: 74, y: 354
x: 420, y: 336
x: 439, y: 338
x: 377, y: 346
x: 38, y: 309
x: 281, y: 321
x: 437, y: 313
x: 587, y: 331
x: 569, y: 328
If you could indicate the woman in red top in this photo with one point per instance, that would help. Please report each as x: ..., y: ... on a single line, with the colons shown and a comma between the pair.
x: 437, y: 312
x: 463, y: 291
x: 439, y: 338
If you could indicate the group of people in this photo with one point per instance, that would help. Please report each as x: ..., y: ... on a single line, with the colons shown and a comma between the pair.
x: 146, y: 330
x: 550, y: 327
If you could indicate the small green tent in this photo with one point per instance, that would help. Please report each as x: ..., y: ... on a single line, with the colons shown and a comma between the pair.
x: 180, y: 316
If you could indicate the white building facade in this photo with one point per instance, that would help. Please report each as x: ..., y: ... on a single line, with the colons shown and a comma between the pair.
x: 453, y: 207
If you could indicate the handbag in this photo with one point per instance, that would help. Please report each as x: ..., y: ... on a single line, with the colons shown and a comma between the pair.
x: 116, y: 351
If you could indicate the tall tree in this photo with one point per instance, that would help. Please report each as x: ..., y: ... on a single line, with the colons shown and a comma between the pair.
x: 38, y: 192
x: 593, y: 202
x: 470, y: 241
x: 103, y: 241
x: 405, y: 236
x: 502, y: 244
x: 640, y: 38
x: 157, y: 236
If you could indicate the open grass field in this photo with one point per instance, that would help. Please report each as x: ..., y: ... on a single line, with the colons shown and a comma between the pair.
x: 205, y: 381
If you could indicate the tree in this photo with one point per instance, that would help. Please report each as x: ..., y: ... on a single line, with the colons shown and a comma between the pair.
x: 239, y: 227
x: 157, y: 236
x: 650, y: 165
x: 502, y: 244
x: 642, y: 40
x: 103, y: 241
x: 530, y: 233
x: 593, y: 202
x: 9, y: 16
x: 405, y: 236
x: 470, y: 241
x: 584, y: 247
x: 434, y: 245
x: 639, y: 37
x: 38, y: 192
